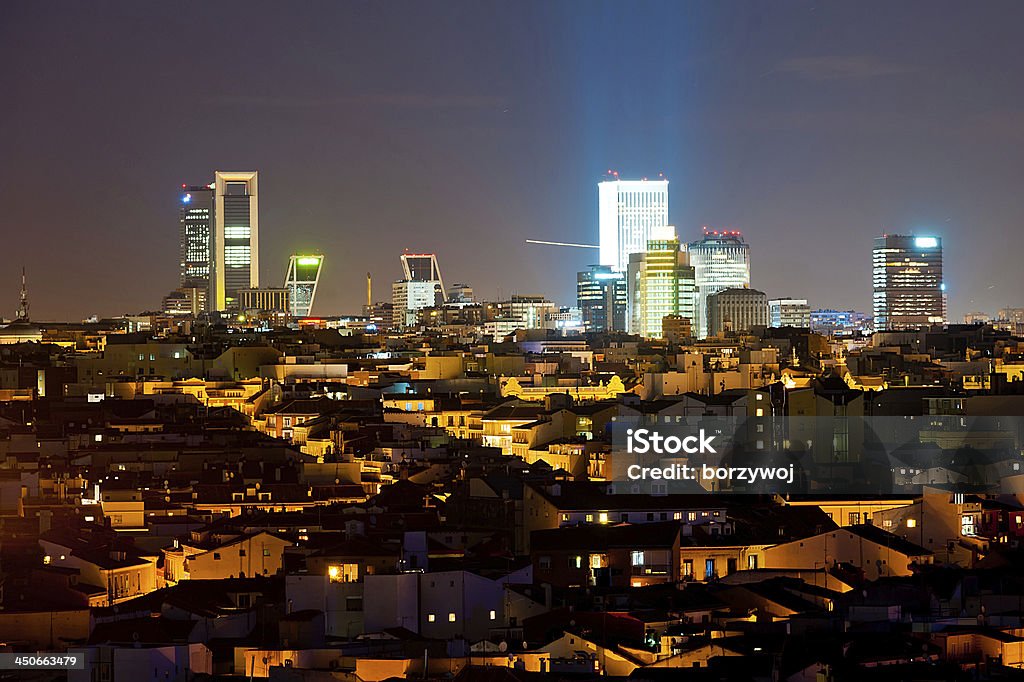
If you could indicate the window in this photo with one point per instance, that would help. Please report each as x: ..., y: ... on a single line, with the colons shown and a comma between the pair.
x: 544, y: 562
x: 451, y: 617
x: 854, y: 518
x: 589, y: 518
x: 431, y: 618
x: 752, y: 562
x: 709, y: 569
x: 637, y: 558
x: 603, y: 517
x: 492, y: 614
x: 687, y: 568
x: 241, y: 552
x: 911, y: 523
x: 216, y: 556
x: 575, y: 562
x: 266, y: 551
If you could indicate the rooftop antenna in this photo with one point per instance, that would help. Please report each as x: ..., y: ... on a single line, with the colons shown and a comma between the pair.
x: 23, y: 304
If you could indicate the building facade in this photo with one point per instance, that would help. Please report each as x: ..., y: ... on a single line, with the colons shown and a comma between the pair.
x: 421, y: 287
x: 736, y: 310
x: 661, y: 285
x: 789, y: 312
x: 602, y: 297
x: 721, y: 260
x: 234, y: 256
x: 195, y: 222
x: 301, y: 281
x: 907, y: 278
x: 629, y: 212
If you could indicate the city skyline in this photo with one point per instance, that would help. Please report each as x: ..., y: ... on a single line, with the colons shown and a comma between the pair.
x: 818, y: 141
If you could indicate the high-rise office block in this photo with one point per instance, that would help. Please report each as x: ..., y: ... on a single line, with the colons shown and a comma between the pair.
x: 234, y: 257
x: 421, y: 288
x: 789, y: 312
x: 195, y: 223
x: 303, y: 276
x: 661, y: 284
x: 736, y: 310
x: 721, y: 260
x: 907, y: 277
x: 602, y: 297
x: 629, y: 212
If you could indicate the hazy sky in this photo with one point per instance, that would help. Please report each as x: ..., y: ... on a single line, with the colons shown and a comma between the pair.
x: 467, y: 127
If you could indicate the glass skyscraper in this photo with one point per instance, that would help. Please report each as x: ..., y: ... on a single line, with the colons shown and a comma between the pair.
x: 301, y: 280
x: 907, y: 278
x: 235, y: 247
x: 721, y: 260
x: 661, y: 284
x: 195, y: 221
x: 601, y: 295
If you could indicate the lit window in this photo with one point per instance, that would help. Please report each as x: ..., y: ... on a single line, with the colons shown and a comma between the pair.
x: 911, y: 523
x: 451, y: 617
x: 431, y: 618
x: 493, y: 615
x: 603, y: 517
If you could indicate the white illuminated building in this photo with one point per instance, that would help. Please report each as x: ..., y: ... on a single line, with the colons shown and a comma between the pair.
x: 721, y: 260
x: 629, y: 212
x: 421, y: 288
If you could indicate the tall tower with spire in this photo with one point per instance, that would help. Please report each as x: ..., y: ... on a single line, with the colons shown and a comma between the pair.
x: 23, y: 303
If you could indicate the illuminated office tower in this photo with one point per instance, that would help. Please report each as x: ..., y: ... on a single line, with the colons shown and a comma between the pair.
x: 422, y: 287
x: 907, y: 278
x: 234, y: 258
x: 602, y: 297
x: 301, y: 281
x: 195, y: 222
x: 629, y: 212
x: 721, y: 260
x: 661, y: 284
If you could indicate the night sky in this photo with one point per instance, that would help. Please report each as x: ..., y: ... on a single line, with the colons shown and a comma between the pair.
x: 467, y: 127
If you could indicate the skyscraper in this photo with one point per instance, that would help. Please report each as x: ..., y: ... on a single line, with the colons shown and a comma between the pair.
x: 907, y: 277
x: 234, y: 258
x: 721, y: 260
x: 661, y: 285
x: 602, y: 296
x: 629, y: 211
x: 422, y: 287
x: 301, y: 280
x: 195, y: 220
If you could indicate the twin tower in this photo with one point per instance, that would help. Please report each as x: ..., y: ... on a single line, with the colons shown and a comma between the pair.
x: 220, y: 255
